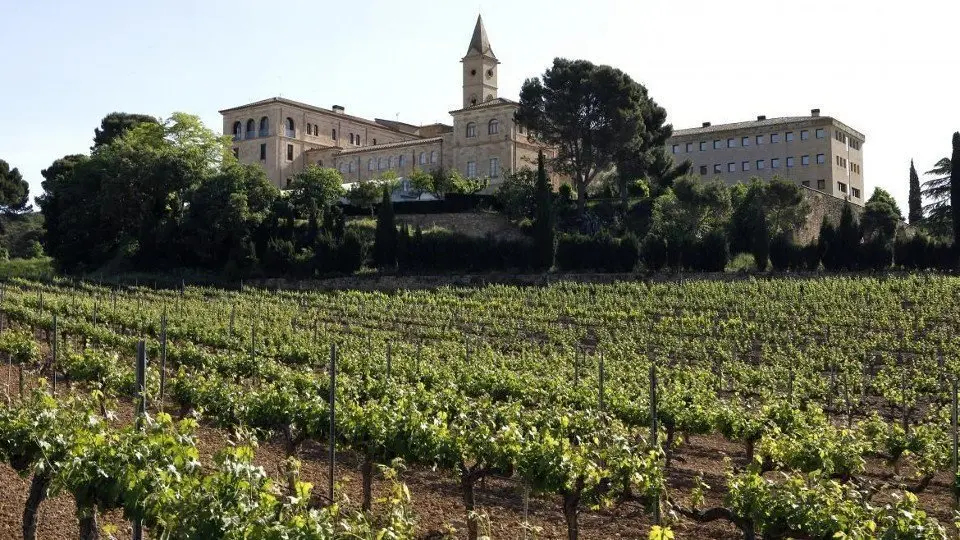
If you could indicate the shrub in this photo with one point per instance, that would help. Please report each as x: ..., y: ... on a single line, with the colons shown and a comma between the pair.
x: 654, y: 252
x: 713, y: 252
x: 351, y: 254
x: 784, y: 254
x: 876, y: 254
x: 628, y: 252
x: 603, y: 253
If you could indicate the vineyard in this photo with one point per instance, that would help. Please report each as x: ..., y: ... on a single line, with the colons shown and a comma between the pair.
x: 822, y: 408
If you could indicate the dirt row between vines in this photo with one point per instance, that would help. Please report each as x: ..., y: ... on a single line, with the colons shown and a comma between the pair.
x: 435, y: 494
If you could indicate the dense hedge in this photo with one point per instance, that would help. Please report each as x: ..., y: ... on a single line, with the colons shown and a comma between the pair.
x: 601, y: 253
x: 453, y: 252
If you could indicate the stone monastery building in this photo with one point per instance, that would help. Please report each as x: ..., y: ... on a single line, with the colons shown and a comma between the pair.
x: 286, y: 136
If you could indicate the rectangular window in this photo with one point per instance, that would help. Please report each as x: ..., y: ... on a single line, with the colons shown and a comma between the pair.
x: 494, y: 167
x: 820, y: 133
x: 703, y: 170
x: 759, y: 139
x: 471, y: 169
x: 689, y: 147
x: 821, y: 159
x: 745, y: 165
x: 289, y: 152
x: 351, y: 138
x: 263, y: 151
x: 731, y: 167
x: 716, y: 144
x: 775, y: 163
x: 731, y: 142
x: 790, y: 161
x: 842, y: 187
x: 804, y: 134
x: 805, y: 183
x: 716, y: 168
x: 745, y: 141
x: 760, y: 165
x: 774, y: 138
x: 676, y: 147
x: 804, y: 160
x: 789, y: 136
x: 855, y: 192
x: 703, y: 145
x: 821, y: 184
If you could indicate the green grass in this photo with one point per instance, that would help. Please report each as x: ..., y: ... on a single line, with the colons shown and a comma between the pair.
x: 39, y: 269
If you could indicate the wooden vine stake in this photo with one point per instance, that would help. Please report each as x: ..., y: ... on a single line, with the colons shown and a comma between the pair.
x: 600, y: 382
x: 953, y: 422
x: 141, y: 375
x: 333, y: 417
x: 654, y: 442
x: 163, y: 355
x: 53, y: 369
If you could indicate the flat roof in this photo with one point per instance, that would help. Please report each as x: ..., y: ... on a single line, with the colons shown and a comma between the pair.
x: 767, y: 122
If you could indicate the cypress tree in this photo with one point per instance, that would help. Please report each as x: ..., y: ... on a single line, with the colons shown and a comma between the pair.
x: 955, y: 189
x: 915, y: 211
x: 543, y: 232
x: 760, y: 248
x: 848, y: 239
x: 385, y: 240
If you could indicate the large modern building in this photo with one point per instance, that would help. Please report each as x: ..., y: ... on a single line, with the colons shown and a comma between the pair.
x: 818, y: 152
x: 286, y: 136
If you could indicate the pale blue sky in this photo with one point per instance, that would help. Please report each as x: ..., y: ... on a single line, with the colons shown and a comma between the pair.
x: 887, y: 71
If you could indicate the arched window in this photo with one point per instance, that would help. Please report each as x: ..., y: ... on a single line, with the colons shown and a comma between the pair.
x: 309, y: 128
x: 471, y: 130
x: 493, y: 127
x: 316, y: 130
x: 400, y: 160
x: 433, y: 156
x: 380, y: 164
x: 237, y: 130
x: 371, y: 165
x: 264, y: 127
x: 350, y: 167
x: 291, y: 128
x: 333, y: 134
x: 390, y: 162
x: 423, y: 158
x: 251, y: 129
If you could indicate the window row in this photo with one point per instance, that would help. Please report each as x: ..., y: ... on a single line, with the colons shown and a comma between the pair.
x: 383, y: 163
x: 744, y: 142
x: 252, y: 130
x: 842, y: 137
x: 821, y: 184
x: 493, y: 128
x: 843, y: 163
x: 494, y: 170
x: 761, y: 164
x: 263, y: 152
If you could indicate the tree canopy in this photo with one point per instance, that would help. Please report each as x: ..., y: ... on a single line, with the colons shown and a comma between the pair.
x: 881, y: 214
x: 14, y: 190
x: 593, y: 115
x: 915, y: 200
x: 116, y: 124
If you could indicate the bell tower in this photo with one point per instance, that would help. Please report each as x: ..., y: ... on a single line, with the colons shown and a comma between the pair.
x: 479, y: 69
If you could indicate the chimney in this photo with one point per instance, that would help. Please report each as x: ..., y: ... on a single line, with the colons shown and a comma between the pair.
x: 815, y: 112
x: 706, y: 124
x: 761, y: 117
x: 338, y: 109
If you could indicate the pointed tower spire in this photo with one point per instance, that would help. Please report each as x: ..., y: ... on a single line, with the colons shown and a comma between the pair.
x: 479, y: 44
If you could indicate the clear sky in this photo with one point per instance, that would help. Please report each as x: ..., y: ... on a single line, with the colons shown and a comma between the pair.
x: 888, y: 69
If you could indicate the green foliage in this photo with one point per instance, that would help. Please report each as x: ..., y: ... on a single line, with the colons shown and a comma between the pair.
x: 955, y: 188
x: 365, y: 194
x: 881, y: 216
x: 915, y: 202
x: 591, y: 114
x: 760, y: 243
x: 315, y: 190
x: 654, y: 252
x: 452, y: 252
x: 684, y: 214
x: 421, y: 181
x: 777, y: 205
x: 517, y: 195
x: 385, y: 243
x: 603, y: 253
x: 543, y: 232
x: 13, y: 190
x: 713, y: 252
x: 116, y: 124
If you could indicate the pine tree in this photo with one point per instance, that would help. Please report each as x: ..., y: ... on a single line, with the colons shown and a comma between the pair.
x: 543, y: 231
x: 385, y: 240
x: 915, y: 210
x: 955, y: 189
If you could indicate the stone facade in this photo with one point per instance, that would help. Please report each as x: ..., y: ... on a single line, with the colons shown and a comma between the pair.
x: 815, y: 151
x: 822, y: 205
x: 286, y: 136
